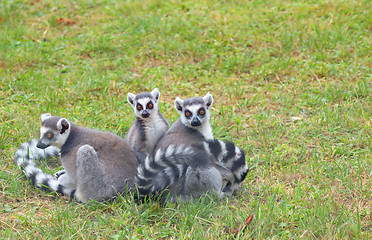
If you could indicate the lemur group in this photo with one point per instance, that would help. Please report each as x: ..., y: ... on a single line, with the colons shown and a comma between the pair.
x: 174, y: 164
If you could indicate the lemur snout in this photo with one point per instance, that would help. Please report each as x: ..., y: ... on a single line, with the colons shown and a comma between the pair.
x: 195, y: 122
x: 145, y: 114
x: 41, y: 145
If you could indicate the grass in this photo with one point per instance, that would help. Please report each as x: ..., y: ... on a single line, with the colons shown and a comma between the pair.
x: 292, y: 86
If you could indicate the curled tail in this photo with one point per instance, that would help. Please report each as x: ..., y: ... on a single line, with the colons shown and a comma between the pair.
x: 28, y: 153
x: 165, y: 168
x: 229, y: 156
x: 26, y: 157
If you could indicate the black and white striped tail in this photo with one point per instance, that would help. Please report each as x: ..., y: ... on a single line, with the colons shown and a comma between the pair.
x: 26, y: 158
x: 229, y: 156
x: 168, y: 165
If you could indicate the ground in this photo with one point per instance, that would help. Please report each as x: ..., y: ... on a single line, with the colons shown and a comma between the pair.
x: 292, y: 86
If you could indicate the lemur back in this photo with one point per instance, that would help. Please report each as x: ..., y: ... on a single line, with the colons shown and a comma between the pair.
x: 149, y: 125
x: 97, y: 165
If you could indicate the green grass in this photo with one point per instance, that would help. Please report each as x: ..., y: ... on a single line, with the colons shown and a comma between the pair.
x: 292, y: 86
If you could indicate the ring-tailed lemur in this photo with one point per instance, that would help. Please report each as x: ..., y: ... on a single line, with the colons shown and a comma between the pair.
x: 180, y: 173
x: 97, y: 165
x: 149, y: 126
x: 224, y: 167
x: 187, y: 172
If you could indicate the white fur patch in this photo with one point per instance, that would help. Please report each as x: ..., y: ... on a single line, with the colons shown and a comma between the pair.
x: 206, y: 147
x: 205, y: 128
x: 186, y: 150
x: 158, y: 155
x: 169, y: 173
x: 223, y: 151
x: 144, y: 101
x: 45, y: 116
x: 159, y: 158
x: 147, y: 165
x: 169, y: 152
x: 180, y: 169
x: 230, y: 162
x: 43, y: 130
x: 240, y: 171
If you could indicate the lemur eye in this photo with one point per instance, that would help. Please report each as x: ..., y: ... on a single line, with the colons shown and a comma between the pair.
x: 150, y: 106
x: 187, y: 113
x: 49, y: 135
x: 139, y: 107
x: 201, y: 112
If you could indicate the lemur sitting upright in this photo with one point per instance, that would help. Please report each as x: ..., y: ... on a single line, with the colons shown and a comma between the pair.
x: 188, y: 161
x: 149, y: 125
x: 97, y: 165
x: 193, y: 125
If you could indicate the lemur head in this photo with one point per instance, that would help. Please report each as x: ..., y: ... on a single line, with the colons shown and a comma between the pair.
x: 144, y: 103
x: 194, y: 111
x: 54, y: 131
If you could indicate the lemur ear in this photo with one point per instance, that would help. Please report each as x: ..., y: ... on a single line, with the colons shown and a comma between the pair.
x: 178, y: 104
x: 131, y: 98
x: 156, y: 94
x: 45, y: 116
x: 63, y: 125
x: 208, y: 100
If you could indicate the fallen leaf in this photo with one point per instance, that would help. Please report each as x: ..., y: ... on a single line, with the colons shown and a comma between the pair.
x: 87, y: 54
x: 351, y: 50
x: 69, y: 21
x: 248, y: 220
x: 98, y: 89
x: 60, y: 20
x: 65, y: 21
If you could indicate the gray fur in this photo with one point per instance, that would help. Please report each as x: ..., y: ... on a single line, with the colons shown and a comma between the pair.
x: 180, y: 173
x: 180, y: 170
x: 195, y: 114
x: 97, y: 165
x: 228, y: 156
x: 149, y: 126
x: 181, y: 131
x: 210, y: 166
x: 26, y: 158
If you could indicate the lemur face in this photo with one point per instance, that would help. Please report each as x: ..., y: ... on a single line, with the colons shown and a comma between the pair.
x: 144, y: 104
x: 195, y: 111
x: 54, y: 131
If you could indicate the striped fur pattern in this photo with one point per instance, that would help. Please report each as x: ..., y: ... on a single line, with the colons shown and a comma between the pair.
x: 229, y: 156
x: 26, y: 158
x: 155, y: 174
x: 168, y: 169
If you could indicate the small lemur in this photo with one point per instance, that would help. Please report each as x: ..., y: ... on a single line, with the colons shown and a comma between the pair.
x: 200, y: 164
x: 149, y: 125
x: 97, y: 165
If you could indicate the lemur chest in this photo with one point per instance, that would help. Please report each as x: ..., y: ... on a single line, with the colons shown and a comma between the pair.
x: 154, y: 130
x: 206, y: 131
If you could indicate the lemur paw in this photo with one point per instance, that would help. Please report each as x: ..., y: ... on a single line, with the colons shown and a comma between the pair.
x: 59, y: 173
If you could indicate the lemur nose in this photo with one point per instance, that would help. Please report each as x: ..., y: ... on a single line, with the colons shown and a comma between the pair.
x: 41, y: 145
x: 145, y: 114
x: 195, y: 122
